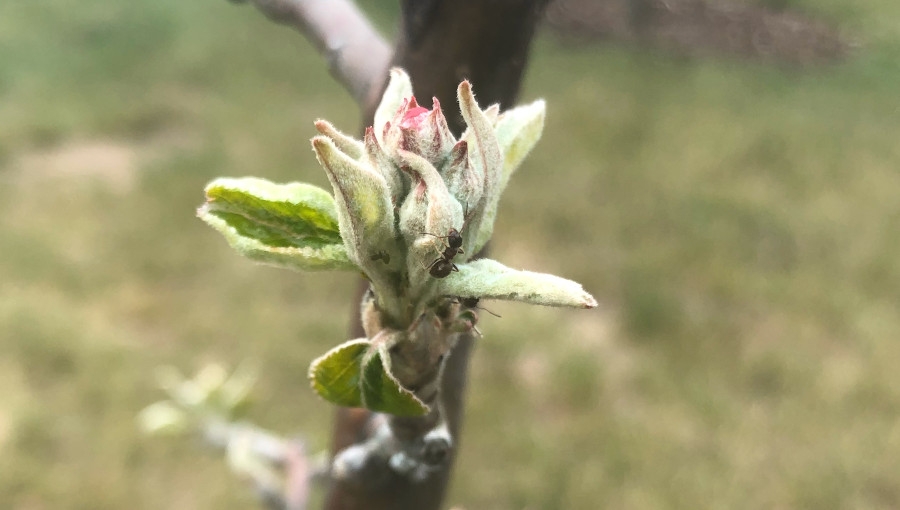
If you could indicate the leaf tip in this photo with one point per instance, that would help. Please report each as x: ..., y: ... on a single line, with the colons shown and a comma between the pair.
x: 319, y: 142
x: 321, y: 124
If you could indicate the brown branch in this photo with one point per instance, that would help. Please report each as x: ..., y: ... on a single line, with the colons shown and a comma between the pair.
x: 357, y: 55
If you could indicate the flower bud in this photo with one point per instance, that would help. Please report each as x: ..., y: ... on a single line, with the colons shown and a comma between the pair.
x: 426, y: 133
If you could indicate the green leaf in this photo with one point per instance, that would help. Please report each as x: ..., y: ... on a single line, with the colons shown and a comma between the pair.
x: 382, y: 392
x: 354, y: 374
x: 335, y: 375
x: 289, y: 225
x: 486, y: 161
x: 363, y: 203
x: 294, y: 214
x: 346, y: 144
x: 518, y: 130
x: 489, y: 279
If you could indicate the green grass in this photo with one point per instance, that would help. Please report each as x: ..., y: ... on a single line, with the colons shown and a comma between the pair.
x: 738, y: 224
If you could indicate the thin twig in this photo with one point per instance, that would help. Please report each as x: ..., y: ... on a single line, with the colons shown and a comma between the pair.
x: 280, y: 468
x: 358, y: 56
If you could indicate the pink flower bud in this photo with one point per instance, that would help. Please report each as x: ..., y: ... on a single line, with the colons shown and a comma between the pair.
x: 421, y: 131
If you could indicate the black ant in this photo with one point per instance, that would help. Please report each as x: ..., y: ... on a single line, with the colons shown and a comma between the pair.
x: 443, y: 265
x: 472, y: 302
x: 468, y: 315
x: 441, y: 268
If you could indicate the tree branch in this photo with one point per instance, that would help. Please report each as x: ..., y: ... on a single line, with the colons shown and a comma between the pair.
x: 357, y: 55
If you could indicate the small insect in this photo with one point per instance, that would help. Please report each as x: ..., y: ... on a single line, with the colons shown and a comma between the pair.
x: 472, y: 302
x: 453, y: 241
x: 443, y: 265
x: 469, y: 302
x: 468, y: 314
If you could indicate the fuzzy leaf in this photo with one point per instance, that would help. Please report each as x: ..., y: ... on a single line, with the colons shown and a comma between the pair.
x: 311, y: 258
x: 289, y: 225
x: 443, y: 211
x: 347, y: 144
x: 335, y: 375
x: 492, y: 112
x: 518, y: 130
x: 486, y: 163
x: 376, y: 157
x: 399, y: 88
x: 489, y: 279
x: 382, y: 392
x: 364, y: 210
x: 462, y: 182
x: 292, y: 214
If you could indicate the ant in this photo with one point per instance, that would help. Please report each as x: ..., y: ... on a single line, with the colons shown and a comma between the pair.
x: 472, y: 302
x: 468, y: 315
x: 443, y: 265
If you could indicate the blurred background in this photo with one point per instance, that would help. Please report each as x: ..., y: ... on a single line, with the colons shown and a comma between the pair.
x: 722, y: 177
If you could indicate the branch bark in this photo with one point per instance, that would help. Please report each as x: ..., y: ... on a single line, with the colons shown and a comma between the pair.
x: 357, y: 55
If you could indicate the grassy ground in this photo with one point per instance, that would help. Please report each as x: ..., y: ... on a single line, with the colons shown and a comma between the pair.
x: 738, y: 224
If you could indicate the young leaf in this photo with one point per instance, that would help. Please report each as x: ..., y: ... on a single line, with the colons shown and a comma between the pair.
x: 290, y: 214
x: 518, y: 130
x: 382, y: 392
x: 289, y: 225
x: 363, y: 202
x: 346, y: 144
x: 489, y: 279
x: 399, y: 88
x: 486, y: 162
x: 238, y: 231
x: 335, y: 375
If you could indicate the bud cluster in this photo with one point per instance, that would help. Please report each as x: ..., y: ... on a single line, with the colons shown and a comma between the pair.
x: 413, y: 200
x: 411, y: 205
